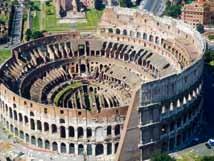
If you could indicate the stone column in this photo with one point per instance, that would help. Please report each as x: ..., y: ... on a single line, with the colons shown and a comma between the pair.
x: 76, y: 148
x: 105, y: 148
x: 93, y: 149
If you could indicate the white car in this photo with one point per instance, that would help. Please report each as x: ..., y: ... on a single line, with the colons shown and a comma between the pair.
x: 210, y: 142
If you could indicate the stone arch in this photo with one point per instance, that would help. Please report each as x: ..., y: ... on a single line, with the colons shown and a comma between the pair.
x: 27, y: 139
x: 16, y: 131
x: 63, y: 148
x: 115, y: 148
x: 71, y: 148
x: 117, y: 130
x: 33, y: 140
x: 39, y: 125
x: 53, y: 128
x: 26, y: 119
x: 47, y: 144
x: 46, y: 126
x: 80, y: 132
x: 138, y: 35
x: 109, y: 148
x: 21, y: 134
x: 62, y: 132
x: 40, y: 142
x: 117, y: 31
x: 151, y: 38
x: 55, y: 146
x: 71, y: 131
x: 99, y: 150
x: 80, y: 149
x: 110, y: 30
x: 15, y: 115
x: 132, y: 33
x: 10, y: 112
x: 89, y: 132
x: 145, y: 36
x: 109, y: 130
x: 89, y: 149
x: 20, y: 117
x: 125, y: 32
x: 32, y: 124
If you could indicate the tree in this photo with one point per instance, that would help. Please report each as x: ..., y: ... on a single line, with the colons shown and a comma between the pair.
x: 28, y: 34
x: 172, y: 10
x: 162, y: 157
x: 208, y: 158
x: 99, y: 5
x: 200, y: 28
x: 37, y: 34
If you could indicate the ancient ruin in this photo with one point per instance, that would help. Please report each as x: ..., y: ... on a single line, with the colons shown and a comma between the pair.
x: 123, y: 93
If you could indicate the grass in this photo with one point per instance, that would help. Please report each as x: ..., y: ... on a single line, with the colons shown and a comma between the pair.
x: 65, y: 90
x: 36, y: 17
x: 50, y: 21
x: 93, y: 17
x: 189, y: 156
x: 211, y: 37
x: 4, y: 54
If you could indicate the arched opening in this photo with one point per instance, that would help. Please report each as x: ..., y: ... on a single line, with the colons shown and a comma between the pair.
x: 53, y: 128
x: 80, y: 132
x: 71, y: 148
x: 138, y: 34
x: 54, y: 146
x: 89, y: 149
x: 20, y: 117
x: 115, y: 148
x: 151, y: 38
x: 21, y: 134
x: 27, y: 139
x: 15, y: 115
x: 26, y: 119
x: 62, y: 132
x: 82, y: 68
x: 39, y: 125
x: 109, y: 130
x: 125, y: 32
x: 99, y: 149
x: 46, y: 126
x: 144, y: 36
x: 40, y: 143
x: 117, y: 130
x: 80, y: 149
x: 32, y: 124
x: 117, y: 31
x: 71, y: 131
x: 47, y: 144
x: 33, y: 140
x: 109, y: 148
x: 63, y: 148
x: 89, y: 132
x: 110, y: 30
x: 16, y: 131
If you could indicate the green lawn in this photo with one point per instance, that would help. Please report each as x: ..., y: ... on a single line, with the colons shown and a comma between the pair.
x: 51, y: 23
x: 36, y: 17
x: 65, y: 90
x: 93, y: 17
x: 4, y: 54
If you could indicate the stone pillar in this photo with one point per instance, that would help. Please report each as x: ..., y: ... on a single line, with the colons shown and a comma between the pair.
x: 93, y: 149
x: 76, y: 148
x: 105, y: 148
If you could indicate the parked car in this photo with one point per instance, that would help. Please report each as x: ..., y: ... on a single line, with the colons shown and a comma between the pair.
x: 210, y: 142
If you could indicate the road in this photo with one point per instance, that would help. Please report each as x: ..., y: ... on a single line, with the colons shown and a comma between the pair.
x: 155, y: 6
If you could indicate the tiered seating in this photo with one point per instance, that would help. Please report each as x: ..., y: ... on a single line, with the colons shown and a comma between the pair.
x: 38, y: 86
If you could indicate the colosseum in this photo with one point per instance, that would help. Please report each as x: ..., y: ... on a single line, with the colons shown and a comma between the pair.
x: 128, y: 91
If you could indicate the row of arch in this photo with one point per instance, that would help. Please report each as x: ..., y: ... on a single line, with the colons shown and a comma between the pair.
x: 64, y: 132
x: 71, y: 148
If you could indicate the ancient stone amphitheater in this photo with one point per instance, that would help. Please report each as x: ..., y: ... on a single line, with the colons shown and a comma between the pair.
x: 129, y: 90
